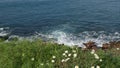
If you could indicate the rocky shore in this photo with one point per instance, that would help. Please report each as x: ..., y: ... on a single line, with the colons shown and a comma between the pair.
x: 105, y: 46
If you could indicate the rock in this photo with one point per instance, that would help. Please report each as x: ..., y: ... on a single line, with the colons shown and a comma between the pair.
x: 112, y: 44
x: 4, y: 36
x: 105, y: 46
x: 90, y: 45
x: 95, y: 48
x: 115, y: 44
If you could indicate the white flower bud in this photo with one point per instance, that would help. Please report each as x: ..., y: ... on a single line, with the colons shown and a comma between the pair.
x: 67, y: 59
x: 62, y: 60
x: 69, y: 55
x: 74, y: 51
x: 92, y: 67
x: 54, y: 57
x: 96, y: 56
x: 93, y: 51
x: 76, y: 66
x: 97, y: 66
x: 118, y: 48
x: 32, y: 59
x: 41, y: 64
x: 53, y: 61
x: 63, y: 54
x: 74, y: 55
x: 101, y: 60
x: 66, y: 51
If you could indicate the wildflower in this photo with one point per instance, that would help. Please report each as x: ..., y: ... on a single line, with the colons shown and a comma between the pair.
x: 97, y: 66
x: 53, y: 61
x: 74, y: 51
x: 66, y: 51
x: 92, y: 67
x: 76, y: 66
x: 74, y: 55
x: 118, y: 48
x: 67, y: 59
x: 101, y: 60
x: 96, y: 56
x: 54, y: 57
x: 63, y: 54
x: 32, y: 59
x: 69, y: 55
x: 41, y: 64
x: 93, y: 51
x: 62, y: 60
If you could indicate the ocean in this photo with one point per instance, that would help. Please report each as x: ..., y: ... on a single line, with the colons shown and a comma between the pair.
x: 70, y: 22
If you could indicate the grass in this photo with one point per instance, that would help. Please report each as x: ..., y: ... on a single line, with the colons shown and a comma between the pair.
x: 39, y: 54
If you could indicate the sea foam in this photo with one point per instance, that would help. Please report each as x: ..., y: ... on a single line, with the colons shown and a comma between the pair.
x: 70, y: 39
x: 100, y: 37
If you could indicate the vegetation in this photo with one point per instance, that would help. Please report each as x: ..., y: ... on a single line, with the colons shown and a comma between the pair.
x: 39, y: 54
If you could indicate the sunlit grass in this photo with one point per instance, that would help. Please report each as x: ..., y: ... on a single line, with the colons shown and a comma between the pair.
x: 38, y: 54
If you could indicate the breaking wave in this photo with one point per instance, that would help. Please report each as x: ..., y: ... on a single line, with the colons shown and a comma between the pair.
x: 4, y: 31
x: 100, y: 37
x: 70, y: 39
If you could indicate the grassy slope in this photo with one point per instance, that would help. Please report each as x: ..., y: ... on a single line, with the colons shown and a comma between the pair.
x: 38, y: 54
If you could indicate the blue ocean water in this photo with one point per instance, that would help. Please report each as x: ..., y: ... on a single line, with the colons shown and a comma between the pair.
x: 26, y: 17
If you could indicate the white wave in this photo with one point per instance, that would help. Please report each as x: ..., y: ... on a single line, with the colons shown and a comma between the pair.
x: 62, y: 37
x: 71, y: 40
x: 3, y: 32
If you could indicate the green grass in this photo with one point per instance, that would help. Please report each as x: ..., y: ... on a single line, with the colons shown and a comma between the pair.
x: 38, y: 54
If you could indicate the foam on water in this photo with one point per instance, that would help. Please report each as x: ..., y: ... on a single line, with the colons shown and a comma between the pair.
x: 71, y: 39
x: 83, y: 37
x: 3, y: 31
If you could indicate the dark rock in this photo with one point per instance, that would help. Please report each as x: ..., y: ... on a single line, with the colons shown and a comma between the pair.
x: 90, y: 45
x: 4, y: 36
x: 105, y: 46
x: 115, y: 44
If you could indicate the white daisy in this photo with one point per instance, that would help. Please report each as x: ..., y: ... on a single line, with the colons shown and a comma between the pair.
x: 32, y: 59
x: 53, y: 61
x: 53, y: 57
x: 74, y: 55
x: 76, y: 66
x: 66, y: 51
x: 97, y: 66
